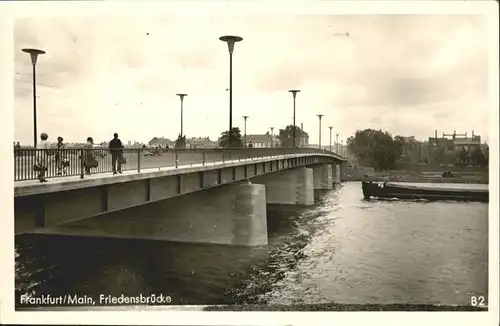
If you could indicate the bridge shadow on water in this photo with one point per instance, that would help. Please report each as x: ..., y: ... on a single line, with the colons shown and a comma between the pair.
x: 188, y: 273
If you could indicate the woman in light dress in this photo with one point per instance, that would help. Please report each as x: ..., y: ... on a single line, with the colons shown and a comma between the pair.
x: 61, y: 159
x: 42, y: 156
x: 89, y: 161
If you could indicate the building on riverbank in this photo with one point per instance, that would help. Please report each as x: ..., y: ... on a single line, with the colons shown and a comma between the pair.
x: 440, y: 150
x: 200, y: 142
x: 193, y: 142
x: 160, y: 141
x: 412, y: 150
x: 446, y: 149
x: 265, y: 140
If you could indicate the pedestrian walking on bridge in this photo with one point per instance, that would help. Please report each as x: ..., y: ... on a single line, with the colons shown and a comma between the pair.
x: 61, y: 159
x: 89, y: 160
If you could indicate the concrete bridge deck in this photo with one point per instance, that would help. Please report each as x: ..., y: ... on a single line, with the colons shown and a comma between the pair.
x: 65, y: 183
x: 30, y: 187
x: 138, y: 159
x: 205, y: 201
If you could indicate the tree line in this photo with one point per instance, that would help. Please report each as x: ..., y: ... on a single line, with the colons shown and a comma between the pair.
x: 285, y: 137
x: 378, y: 149
x: 375, y: 148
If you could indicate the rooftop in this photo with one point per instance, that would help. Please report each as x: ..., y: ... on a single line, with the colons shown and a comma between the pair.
x: 259, y: 138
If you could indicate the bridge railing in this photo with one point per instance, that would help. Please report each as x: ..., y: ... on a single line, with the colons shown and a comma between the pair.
x: 80, y: 161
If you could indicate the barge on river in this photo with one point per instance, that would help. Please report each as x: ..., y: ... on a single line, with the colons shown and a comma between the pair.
x: 391, y: 191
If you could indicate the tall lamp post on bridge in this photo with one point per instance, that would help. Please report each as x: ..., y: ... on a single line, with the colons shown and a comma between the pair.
x: 34, y: 56
x: 181, y: 96
x: 230, y: 40
x: 294, y: 93
x: 337, y: 144
x: 330, y: 127
x: 320, y: 116
x: 272, y: 137
x: 245, y: 130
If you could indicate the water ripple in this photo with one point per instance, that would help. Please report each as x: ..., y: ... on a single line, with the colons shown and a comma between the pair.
x: 344, y: 249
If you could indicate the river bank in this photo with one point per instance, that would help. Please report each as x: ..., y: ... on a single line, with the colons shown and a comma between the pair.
x: 428, y: 180
x: 403, y: 176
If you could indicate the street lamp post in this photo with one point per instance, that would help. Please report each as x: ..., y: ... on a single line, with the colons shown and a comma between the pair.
x: 181, y: 96
x: 272, y: 137
x: 320, y: 116
x: 34, y: 56
x: 230, y: 40
x: 245, y: 137
x: 330, y: 137
x: 294, y: 93
x: 337, y: 144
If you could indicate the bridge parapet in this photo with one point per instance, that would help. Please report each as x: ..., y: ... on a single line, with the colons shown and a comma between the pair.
x: 73, y: 161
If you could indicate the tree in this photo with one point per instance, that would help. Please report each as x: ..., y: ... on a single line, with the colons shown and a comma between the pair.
x: 486, y: 152
x: 286, y: 136
x: 375, y: 148
x: 479, y: 157
x: 236, y: 139
x: 463, y: 156
x: 180, y: 142
x: 399, y: 143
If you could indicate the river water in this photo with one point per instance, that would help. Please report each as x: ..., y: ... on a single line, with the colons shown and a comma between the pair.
x: 343, y: 249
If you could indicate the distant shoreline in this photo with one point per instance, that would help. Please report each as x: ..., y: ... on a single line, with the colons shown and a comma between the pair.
x: 381, y: 177
x: 432, y: 180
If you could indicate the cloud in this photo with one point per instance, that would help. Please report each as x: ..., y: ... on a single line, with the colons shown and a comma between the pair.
x: 396, y: 61
x: 403, y: 73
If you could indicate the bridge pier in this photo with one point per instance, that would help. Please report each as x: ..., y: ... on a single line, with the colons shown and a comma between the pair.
x: 336, y: 173
x: 292, y: 187
x: 323, y: 176
x: 233, y: 214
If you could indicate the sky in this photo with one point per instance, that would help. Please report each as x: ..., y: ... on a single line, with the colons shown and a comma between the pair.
x: 405, y: 74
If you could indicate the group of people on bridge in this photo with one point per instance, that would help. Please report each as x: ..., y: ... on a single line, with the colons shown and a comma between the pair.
x: 61, y: 159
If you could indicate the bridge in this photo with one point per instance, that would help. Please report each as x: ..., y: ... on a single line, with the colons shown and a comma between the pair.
x: 213, y: 195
